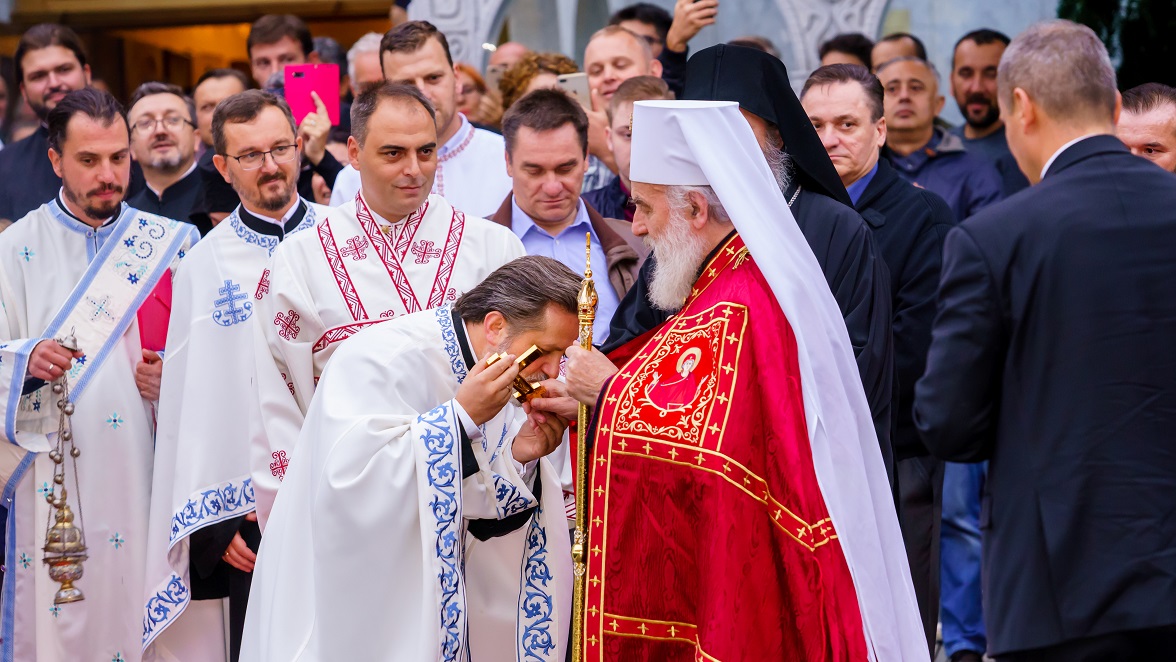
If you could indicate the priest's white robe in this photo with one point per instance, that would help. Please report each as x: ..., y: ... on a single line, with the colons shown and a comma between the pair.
x: 354, y: 270
x: 471, y: 172
x: 367, y: 554
x: 57, y: 273
x: 201, y: 472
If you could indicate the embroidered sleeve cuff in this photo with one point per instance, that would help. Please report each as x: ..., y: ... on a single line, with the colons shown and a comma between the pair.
x: 467, y: 423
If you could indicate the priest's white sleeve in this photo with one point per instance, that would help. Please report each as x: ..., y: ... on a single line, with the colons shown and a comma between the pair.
x: 14, y: 361
x: 285, y: 327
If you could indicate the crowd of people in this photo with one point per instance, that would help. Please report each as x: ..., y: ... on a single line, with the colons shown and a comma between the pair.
x: 862, y: 384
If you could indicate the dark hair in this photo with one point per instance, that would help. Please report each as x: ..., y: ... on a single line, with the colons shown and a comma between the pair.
x: 272, y: 28
x: 410, y: 37
x: 849, y: 73
x: 638, y: 88
x: 515, y: 80
x: 96, y: 104
x: 649, y: 14
x: 224, y: 73
x: 981, y: 37
x: 369, y: 100
x: 757, y: 42
x: 331, y: 52
x: 544, y: 110
x: 521, y: 290
x: 850, y: 43
x: 45, y: 35
x: 1149, y: 96
x: 155, y: 87
x: 920, y: 48
x: 245, y: 107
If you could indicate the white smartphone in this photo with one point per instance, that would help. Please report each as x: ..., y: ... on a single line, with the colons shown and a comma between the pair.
x: 577, y: 86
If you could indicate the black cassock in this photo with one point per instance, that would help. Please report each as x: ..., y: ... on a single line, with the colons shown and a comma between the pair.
x: 844, y: 247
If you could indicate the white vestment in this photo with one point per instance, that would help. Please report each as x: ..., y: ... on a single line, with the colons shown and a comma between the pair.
x: 58, y: 274
x: 354, y: 270
x: 471, y: 172
x: 367, y: 555
x: 202, y: 441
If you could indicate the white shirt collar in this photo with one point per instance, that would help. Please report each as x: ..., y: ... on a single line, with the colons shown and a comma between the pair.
x: 1062, y: 149
x: 464, y: 132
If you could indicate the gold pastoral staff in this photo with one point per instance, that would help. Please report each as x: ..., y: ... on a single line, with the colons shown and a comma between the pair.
x: 586, y: 303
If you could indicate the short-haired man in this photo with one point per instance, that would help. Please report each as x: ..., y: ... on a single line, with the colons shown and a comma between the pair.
x: 896, y: 45
x: 925, y: 154
x: 848, y: 48
x: 50, y: 62
x: 507, y: 54
x: 973, y: 84
x: 392, y: 250
x: 1051, y: 356
x: 363, y: 63
x: 210, y: 554
x: 214, y: 86
x: 612, y: 201
x: 1147, y: 124
x: 163, y: 141
x: 668, y: 36
x: 546, y: 136
x: 276, y: 41
x: 414, y: 455
x: 470, y: 174
x: 81, y: 265
x: 844, y: 103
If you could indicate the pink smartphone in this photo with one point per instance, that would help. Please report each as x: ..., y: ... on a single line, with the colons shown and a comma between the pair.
x: 302, y: 79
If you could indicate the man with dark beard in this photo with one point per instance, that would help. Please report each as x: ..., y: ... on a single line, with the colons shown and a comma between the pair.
x: 839, y: 238
x: 163, y: 141
x: 50, y: 62
x: 973, y: 84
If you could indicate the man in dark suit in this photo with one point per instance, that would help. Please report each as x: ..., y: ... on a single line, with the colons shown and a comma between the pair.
x: 844, y: 102
x: 1052, y: 356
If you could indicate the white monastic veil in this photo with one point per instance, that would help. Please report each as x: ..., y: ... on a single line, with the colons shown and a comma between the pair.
x: 709, y: 143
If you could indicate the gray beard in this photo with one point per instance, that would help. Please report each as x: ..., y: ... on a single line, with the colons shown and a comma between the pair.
x: 167, y: 164
x: 680, y: 254
x: 781, y: 165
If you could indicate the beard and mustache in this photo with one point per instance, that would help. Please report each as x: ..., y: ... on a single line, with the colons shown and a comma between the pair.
x: 96, y: 210
x: 680, y: 253
x: 991, y: 114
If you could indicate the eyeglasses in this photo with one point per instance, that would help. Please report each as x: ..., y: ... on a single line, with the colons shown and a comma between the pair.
x: 171, y: 123
x: 254, y: 160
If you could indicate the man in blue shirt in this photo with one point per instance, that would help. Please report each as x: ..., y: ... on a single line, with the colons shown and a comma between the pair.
x: 973, y: 84
x: 546, y: 135
x: 924, y: 154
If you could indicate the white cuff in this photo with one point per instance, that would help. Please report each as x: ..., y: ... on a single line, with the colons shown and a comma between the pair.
x: 471, y: 429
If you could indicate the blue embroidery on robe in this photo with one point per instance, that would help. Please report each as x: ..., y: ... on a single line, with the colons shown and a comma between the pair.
x: 510, y: 500
x: 268, y: 242
x: 449, y: 336
x: 445, y: 483
x: 163, y: 607
x: 536, y: 605
x: 212, y: 505
x: 227, y: 312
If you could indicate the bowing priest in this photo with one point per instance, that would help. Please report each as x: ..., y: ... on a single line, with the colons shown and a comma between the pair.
x: 82, y: 264
x: 741, y: 418
x: 421, y: 520
x: 203, y: 535
x: 392, y: 250
x: 839, y: 238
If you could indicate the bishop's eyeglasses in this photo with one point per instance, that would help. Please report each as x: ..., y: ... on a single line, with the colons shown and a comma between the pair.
x: 169, y: 122
x: 254, y: 160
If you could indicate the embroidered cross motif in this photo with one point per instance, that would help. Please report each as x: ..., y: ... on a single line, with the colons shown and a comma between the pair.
x: 114, y: 421
x: 288, y: 324
x: 117, y: 540
x: 118, y: 658
x: 44, y: 489
x: 55, y: 610
x: 356, y: 248
x: 451, y: 295
x: 262, y: 286
x: 424, y: 251
x: 25, y: 561
x: 27, y: 254
x: 100, y: 306
x: 278, y: 466
x: 232, y: 314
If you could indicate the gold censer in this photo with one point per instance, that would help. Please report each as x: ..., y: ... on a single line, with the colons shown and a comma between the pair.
x: 65, y: 542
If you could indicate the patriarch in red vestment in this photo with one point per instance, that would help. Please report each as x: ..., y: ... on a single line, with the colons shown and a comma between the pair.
x: 738, y: 504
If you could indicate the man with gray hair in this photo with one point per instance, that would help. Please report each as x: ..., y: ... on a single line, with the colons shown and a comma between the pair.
x: 363, y: 63
x: 1051, y: 357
